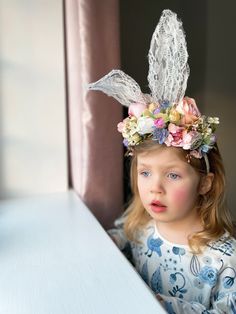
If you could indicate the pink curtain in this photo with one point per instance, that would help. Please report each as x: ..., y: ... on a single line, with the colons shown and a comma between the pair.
x: 95, y: 147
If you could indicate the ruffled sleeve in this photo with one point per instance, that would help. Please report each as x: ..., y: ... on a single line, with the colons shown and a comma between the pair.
x: 226, y: 305
x: 118, y: 236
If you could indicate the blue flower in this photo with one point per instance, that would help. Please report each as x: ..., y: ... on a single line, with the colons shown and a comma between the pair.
x: 157, y: 110
x: 208, y: 275
x: 125, y: 142
x: 165, y: 104
x: 205, y: 148
x: 228, y: 282
x: 160, y: 135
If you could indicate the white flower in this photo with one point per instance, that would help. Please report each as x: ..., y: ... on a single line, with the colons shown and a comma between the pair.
x: 214, y: 120
x: 145, y: 125
x: 208, y: 132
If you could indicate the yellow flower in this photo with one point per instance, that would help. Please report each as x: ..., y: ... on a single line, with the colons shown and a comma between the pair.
x: 132, y: 119
x: 164, y: 116
x: 147, y: 113
x: 152, y: 107
x: 130, y: 126
x: 174, y: 116
x: 134, y: 139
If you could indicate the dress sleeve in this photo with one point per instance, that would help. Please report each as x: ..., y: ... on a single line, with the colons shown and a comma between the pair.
x: 118, y: 236
x: 226, y: 305
x: 223, y: 296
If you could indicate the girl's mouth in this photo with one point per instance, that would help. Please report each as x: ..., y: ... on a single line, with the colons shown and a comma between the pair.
x: 157, y: 207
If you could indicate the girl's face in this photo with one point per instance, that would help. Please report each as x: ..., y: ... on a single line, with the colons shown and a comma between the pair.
x: 167, y: 185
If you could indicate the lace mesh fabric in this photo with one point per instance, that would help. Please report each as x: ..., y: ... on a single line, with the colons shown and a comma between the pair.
x: 120, y: 86
x: 168, y: 68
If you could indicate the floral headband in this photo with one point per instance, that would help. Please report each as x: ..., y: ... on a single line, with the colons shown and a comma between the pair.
x: 165, y: 116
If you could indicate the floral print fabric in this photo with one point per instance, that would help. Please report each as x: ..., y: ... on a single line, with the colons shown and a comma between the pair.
x: 187, y: 283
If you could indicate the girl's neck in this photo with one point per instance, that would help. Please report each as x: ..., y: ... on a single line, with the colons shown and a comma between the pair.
x: 178, y: 233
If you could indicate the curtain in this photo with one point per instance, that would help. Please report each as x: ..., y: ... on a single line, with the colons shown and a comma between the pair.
x: 95, y: 146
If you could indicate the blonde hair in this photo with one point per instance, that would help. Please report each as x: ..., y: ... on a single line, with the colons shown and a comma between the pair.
x: 211, y: 207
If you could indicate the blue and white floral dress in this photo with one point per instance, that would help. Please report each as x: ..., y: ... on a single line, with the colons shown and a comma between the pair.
x: 186, y: 282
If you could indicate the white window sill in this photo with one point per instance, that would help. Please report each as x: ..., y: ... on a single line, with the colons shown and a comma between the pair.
x: 56, y: 258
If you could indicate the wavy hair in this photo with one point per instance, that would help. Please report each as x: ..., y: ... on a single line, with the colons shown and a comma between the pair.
x: 211, y: 207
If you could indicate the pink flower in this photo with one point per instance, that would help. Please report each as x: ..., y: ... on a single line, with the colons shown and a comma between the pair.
x: 188, y: 108
x: 174, y: 140
x: 175, y: 137
x: 120, y: 127
x: 159, y: 123
x: 173, y: 128
x: 169, y: 140
x: 177, y: 140
x: 191, y: 139
x: 136, y: 109
x: 187, y: 140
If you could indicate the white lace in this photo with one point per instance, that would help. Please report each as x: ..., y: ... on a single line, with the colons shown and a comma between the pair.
x: 120, y: 86
x: 168, y: 68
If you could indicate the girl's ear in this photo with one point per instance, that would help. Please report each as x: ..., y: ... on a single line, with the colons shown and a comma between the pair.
x: 206, y: 183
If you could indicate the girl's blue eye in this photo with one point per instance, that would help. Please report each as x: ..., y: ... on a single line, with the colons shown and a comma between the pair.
x: 145, y: 173
x: 173, y: 176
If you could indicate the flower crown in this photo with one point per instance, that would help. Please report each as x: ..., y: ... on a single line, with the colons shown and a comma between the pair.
x: 178, y: 125
x: 165, y: 115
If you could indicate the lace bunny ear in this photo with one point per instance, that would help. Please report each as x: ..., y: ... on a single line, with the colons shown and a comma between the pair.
x: 168, y: 56
x: 120, y: 86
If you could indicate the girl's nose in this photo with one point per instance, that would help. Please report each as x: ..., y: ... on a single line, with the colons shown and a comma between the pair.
x: 157, y: 186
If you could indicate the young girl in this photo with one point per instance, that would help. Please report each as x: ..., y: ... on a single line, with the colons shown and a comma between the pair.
x: 177, y: 231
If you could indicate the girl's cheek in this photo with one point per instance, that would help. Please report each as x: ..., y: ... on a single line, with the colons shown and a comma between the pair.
x: 180, y: 196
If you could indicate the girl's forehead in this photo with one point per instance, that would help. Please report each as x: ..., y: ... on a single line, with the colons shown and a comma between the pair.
x: 163, y: 156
